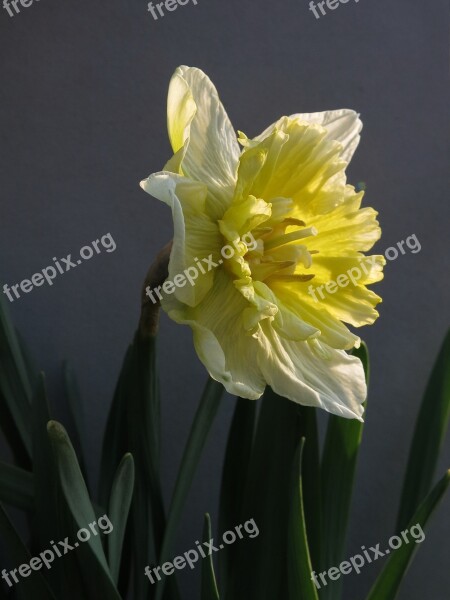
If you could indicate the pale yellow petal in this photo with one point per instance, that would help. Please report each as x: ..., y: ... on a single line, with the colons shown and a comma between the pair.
x: 197, y: 119
x: 228, y: 352
x: 294, y: 371
x: 196, y: 236
x: 343, y: 126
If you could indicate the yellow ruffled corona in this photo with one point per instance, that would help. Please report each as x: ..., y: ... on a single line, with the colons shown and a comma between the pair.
x: 268, y: 313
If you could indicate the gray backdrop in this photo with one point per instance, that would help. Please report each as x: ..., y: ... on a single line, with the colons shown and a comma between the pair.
x: 82, y: 120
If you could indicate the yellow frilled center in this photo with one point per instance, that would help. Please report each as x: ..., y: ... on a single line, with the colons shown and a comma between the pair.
x: 275, y: 249
x: 293, y: 218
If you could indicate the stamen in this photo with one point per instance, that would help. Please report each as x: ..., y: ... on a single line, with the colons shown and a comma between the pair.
x: 293, y: 221
x: 262, y: 230
x: 264, y: 270
x: 294, y: 278
x: 290, y: 237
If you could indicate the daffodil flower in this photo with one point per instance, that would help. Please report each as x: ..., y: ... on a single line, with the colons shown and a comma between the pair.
x: 253, y: 321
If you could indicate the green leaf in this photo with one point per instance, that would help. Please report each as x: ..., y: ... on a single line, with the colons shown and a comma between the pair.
x: 97, y: 577
x: 44, y: 473
x: 73, y: 484
x: 256, y: 573
x: 52, y: 519
x: 300, y: 584
x: 16, y: 487
x: 209, y: 585
x: 12, y: 435
x: 17, y: 406
x: 142, y: 421
x: 388, y: 583
x: 114, y: 440
x: 312, y: 500
x: 339, y: 460
x: 119, y: 508
x: 28, y: 361
x: 429, y: 435
x: 15, y: 387
x: 133, y: 426
x: 34, y: 586
x: 115, y: 445
x: 76, y: 412
x: 201, y: 426
x: 234, y: 479
x: 10, y: 341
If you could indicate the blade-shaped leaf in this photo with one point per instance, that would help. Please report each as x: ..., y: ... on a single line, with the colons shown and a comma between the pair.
x: 267, y: 500
x: 312, y: 500
x: 431, y: 427
x: 142, y: 421
x: 209, y: 584
x: 34, y: 586
x: 21, y: 453
x: 119, y: 508
x: 43, y: 466
x: 201, y: 426
x: 300, y: 584
x: 51, y: 516
x: 388, y: 583
x: 15, y: 385
x: 16, y: 487
x: 10, y: 340
x: 28, y: 361
x: 133, y: 426
x: 234, y: 479
x: 114, y: 440
x: 75, y: 408
x: 16, y: 406
x: 77, y: 498
x: 115, y: 445
x: 340, y: 455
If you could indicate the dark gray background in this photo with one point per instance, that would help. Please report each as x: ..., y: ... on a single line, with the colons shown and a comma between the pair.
x: 82, y: 120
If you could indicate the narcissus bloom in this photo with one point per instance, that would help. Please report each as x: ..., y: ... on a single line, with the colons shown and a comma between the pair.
x: 253, y: 320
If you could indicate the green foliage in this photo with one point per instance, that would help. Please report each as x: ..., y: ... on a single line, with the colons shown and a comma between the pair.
x: 209, y: 585
x: 340, y: 455
x: 273, y: 473
x: 299, y: 564
x: 429, y: 434
x: 388, y: 583
x: 203, y: 419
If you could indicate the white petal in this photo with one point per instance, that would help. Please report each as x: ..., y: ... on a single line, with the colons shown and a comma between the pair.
x: 343, y: 126
x: 286, y: 322
x: 197, y: 118
x: 294, y: 371
x: 222, y: 344
x: 196, y: 236
x: 181, y: 109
